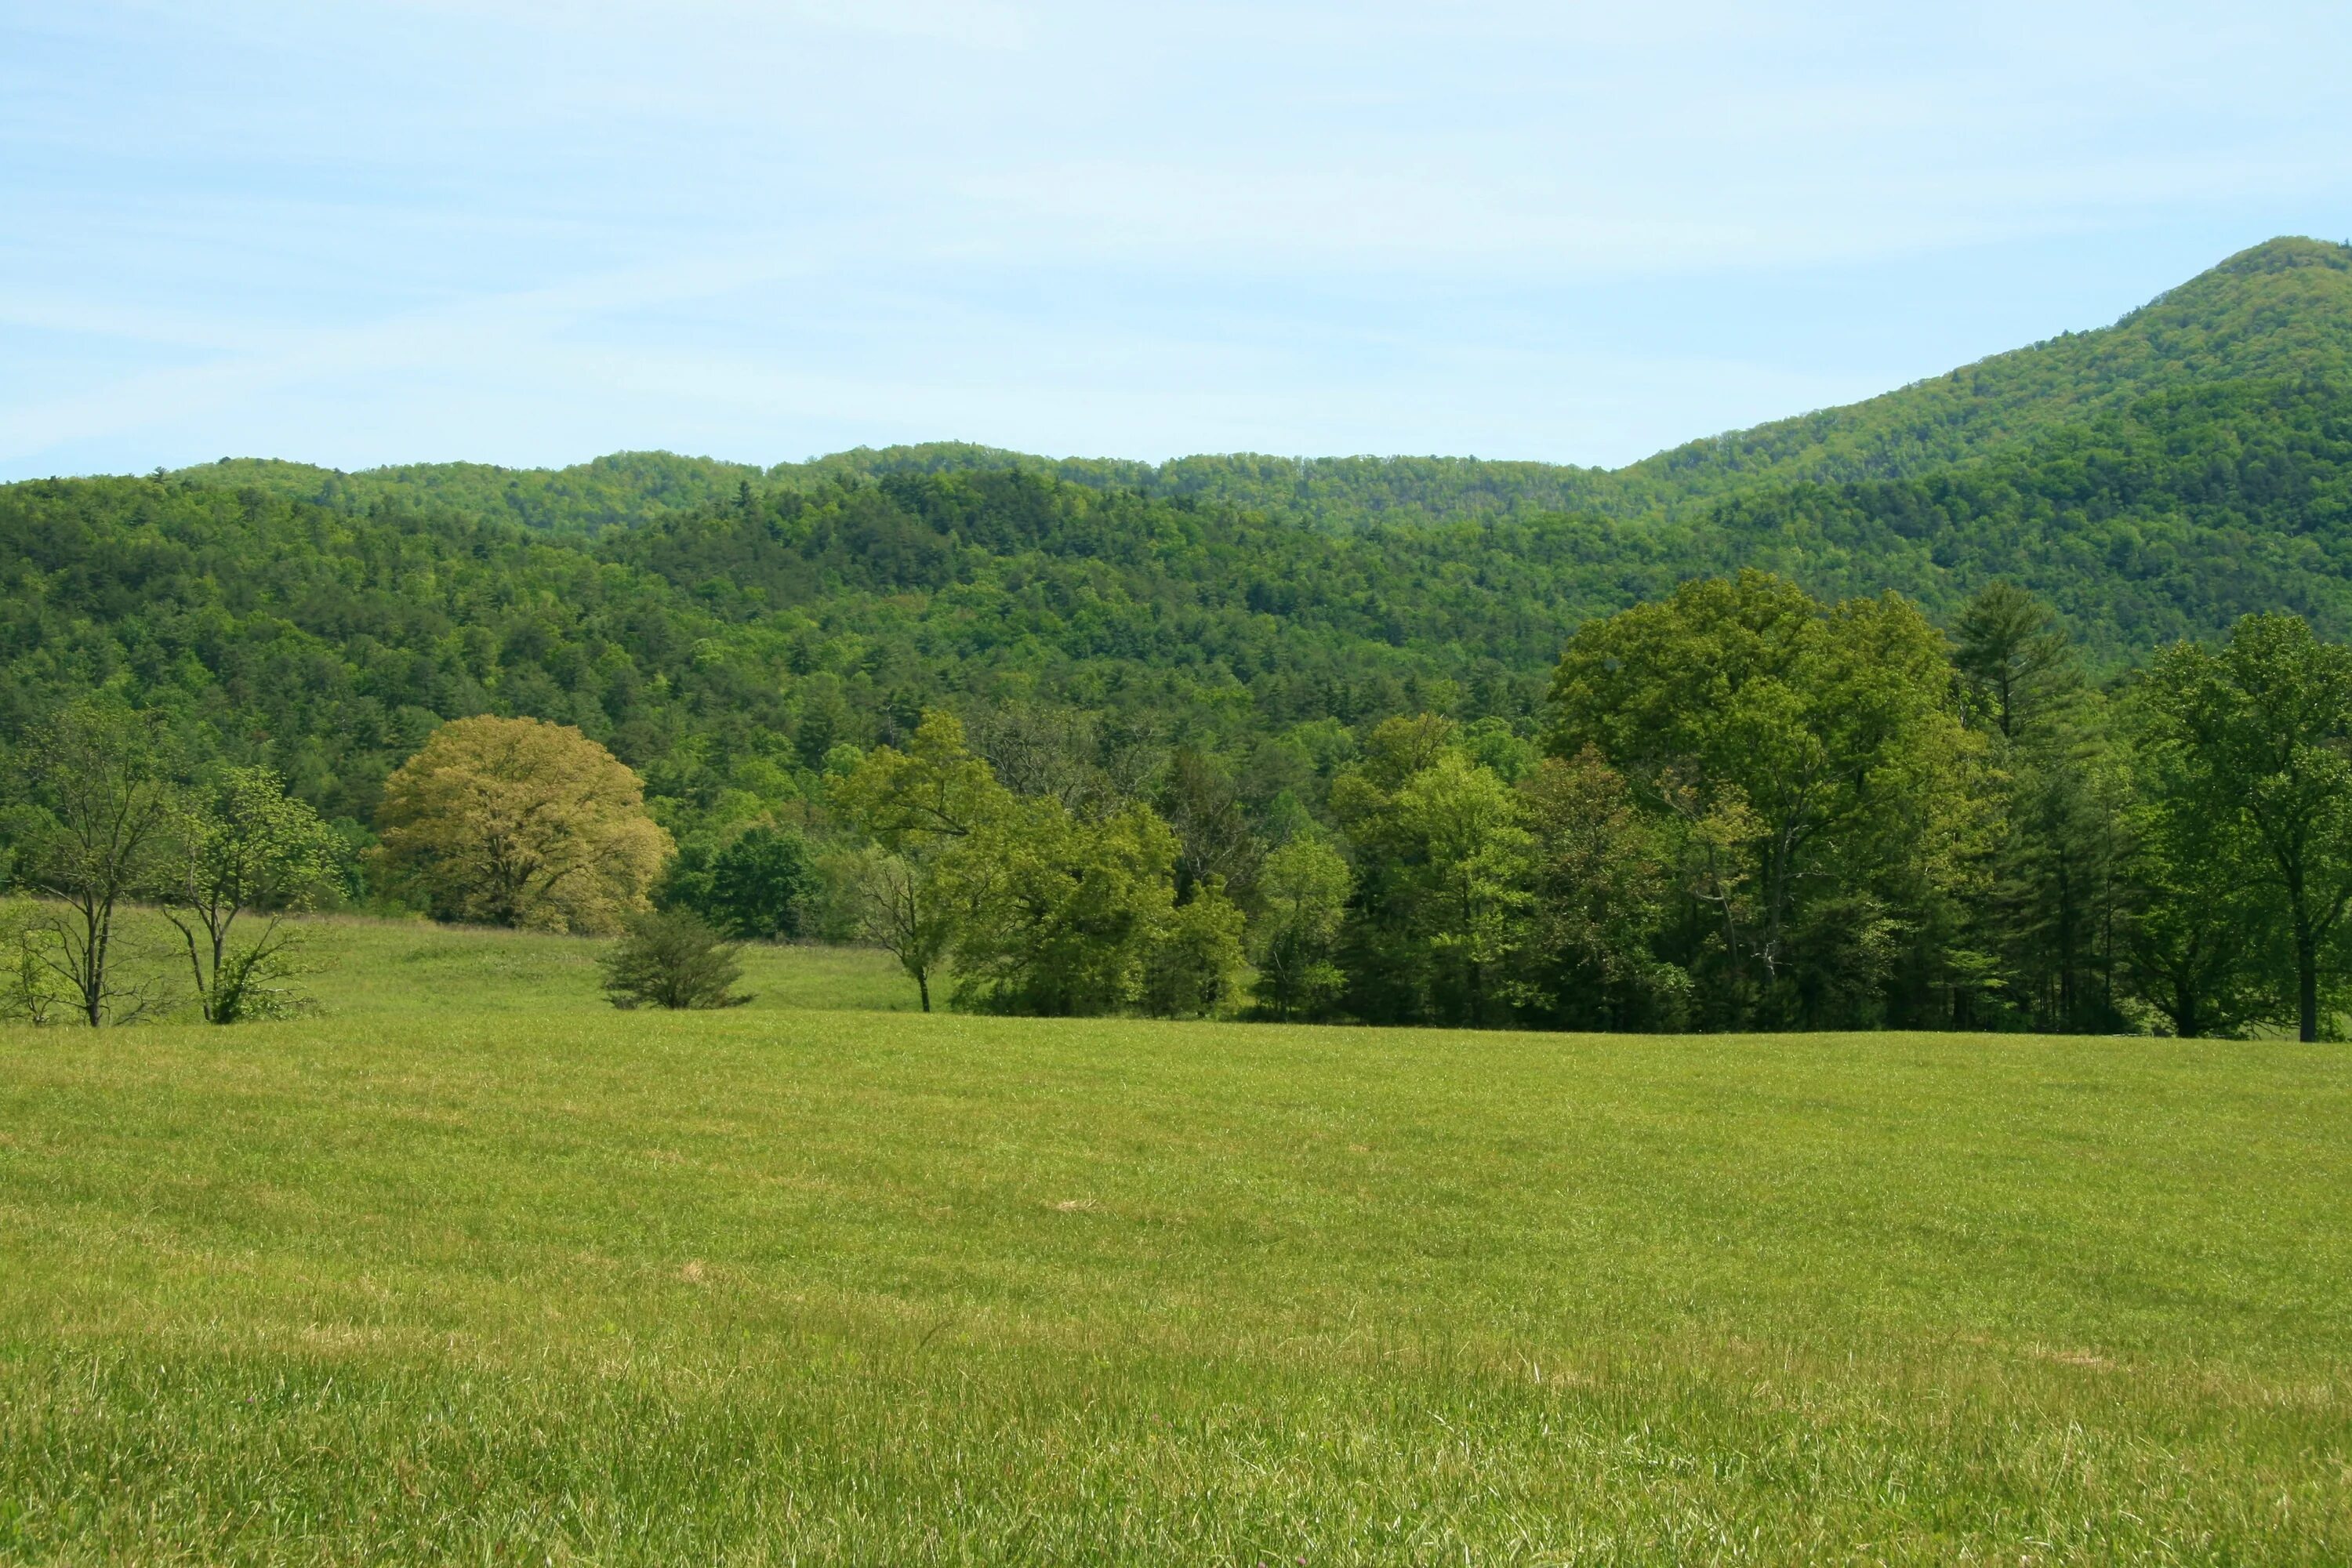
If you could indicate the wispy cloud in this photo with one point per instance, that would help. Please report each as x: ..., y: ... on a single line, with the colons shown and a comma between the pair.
x: 499, y: 228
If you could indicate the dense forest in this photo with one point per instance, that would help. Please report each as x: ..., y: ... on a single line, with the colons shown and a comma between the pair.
x: 1336, y: 690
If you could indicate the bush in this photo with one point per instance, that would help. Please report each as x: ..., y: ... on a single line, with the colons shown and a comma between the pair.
x: 672, y: 959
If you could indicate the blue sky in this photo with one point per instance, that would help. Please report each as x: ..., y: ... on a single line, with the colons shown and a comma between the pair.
x: 527, y: 232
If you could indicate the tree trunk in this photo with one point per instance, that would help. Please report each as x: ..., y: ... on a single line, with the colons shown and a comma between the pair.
x: 923, y: 988
x: 2306, y: 977
x: 93, y: 966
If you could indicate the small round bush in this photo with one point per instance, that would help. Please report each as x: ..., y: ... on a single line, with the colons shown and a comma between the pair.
x: 674, y: 959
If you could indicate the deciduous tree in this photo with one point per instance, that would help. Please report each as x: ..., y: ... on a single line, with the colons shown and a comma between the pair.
x: 242, y: 846
x: 1295, y: 941
x: 2259, y: 732
x: 92, y: 839
x: 516, y: 822
x: 1830, y: 733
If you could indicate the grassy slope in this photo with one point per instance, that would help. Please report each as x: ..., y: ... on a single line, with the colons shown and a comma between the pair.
x: 378, y: 971
x: 810, y: 1286
x: 393, y: 969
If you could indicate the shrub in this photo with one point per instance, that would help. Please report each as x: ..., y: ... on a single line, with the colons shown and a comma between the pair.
x: 671, y: 959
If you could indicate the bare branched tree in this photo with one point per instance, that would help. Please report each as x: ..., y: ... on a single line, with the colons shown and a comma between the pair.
x: 101, y: 809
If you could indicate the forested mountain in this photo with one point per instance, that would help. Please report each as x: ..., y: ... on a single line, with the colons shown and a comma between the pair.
x: 740, y: 644
x: 2282, y: 311
x: 742, y: 638
x: 623, y: 488
x: 725, y: 627
x: 2163, y: 519
x: 1194, y: 681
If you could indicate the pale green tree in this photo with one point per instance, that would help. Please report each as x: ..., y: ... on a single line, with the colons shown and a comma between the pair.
x: 1294, y: 942
x: 917, y: 805
x: 242, y: 850
x: 92, y: 839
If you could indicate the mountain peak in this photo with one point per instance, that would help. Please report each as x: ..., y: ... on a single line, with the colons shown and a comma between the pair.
x: 2280, y: 310
x: 2285, y: 254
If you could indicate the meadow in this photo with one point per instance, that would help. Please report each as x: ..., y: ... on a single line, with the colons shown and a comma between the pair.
x: 472, y: 1267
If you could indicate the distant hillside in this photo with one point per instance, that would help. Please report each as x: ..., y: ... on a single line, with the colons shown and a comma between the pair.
x: 2279, y: 311
x: 628, y: 489
x: 2162, y: 520
x: 632, y: 488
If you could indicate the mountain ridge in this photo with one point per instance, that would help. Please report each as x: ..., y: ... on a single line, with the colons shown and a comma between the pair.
x: 2280, y: 310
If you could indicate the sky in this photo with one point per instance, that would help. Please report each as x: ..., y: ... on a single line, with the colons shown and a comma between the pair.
x: 355, y: 232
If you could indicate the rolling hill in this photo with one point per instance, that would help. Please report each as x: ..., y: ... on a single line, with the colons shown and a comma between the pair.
x: 2281, y: 311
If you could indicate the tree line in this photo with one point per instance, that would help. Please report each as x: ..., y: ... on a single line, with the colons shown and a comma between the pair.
x: 725, y: 647
x: 1739, y: 806
x: 1744, y: 809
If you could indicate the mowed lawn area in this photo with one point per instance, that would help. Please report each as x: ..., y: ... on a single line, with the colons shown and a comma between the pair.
x: 440, y: 1275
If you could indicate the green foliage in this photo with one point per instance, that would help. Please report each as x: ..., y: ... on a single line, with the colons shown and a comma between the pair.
x: 1599, y: 895
x: 1440, y: 858
x: 757, y: 886
x: 91, y: 835
x: 1196, y: 965
x: 730, y: 655
x: 623, y: 490
x: 673, y: 959
x: 2163, y: 519
x: 1296, y: 943
x: 2258, y: 735
x: 894, y: 901
x: 1809, y: 763
x: 1062, y: 915
x: 242, y: 847
x: 918, y: 807
x: 2200, y: 943
x: 32, y: 972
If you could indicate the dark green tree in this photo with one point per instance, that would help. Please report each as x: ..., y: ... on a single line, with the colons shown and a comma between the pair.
x: 1294, y: 940
x: 1809, y: 764
x: 1602, y: 897
x: 671, y: 958
x: 2259, y: 733
x: 2059, y: 789
x: 2014, y: 660
x: 755, y: 887
x: 2200, y: 933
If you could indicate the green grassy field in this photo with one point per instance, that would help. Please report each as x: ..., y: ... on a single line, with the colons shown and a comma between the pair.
x: 379, y: 970
x: 472, y: 1267
x: 370, y: 969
